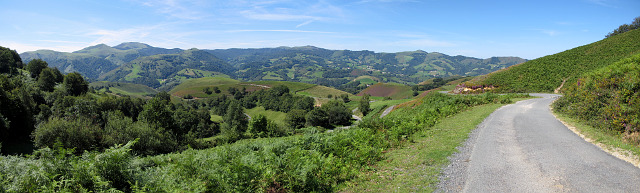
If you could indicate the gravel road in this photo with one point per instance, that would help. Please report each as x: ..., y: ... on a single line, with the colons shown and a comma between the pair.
x: 387, y: 111
x: 522, y: 147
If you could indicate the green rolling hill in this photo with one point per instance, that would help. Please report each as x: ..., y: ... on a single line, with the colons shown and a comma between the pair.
x: 165, y: 68
x: 97, y: 60
x: 548, y: 73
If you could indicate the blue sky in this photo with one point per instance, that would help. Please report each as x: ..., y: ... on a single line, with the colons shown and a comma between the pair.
x: 528, y: 29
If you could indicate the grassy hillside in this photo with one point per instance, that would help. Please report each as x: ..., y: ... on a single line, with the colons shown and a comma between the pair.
x: 195, y: 87
x: 321, y: 91
x: 276, y: 116
x: 547, y: 73
x: 97, y: 60
x: 293, y: 86
x: 370, y: 80
x: 135, y: 90
x: 393, y: 90
x: 152, y: 70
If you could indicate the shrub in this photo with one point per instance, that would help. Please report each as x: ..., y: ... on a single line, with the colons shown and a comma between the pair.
x: 79, y: 133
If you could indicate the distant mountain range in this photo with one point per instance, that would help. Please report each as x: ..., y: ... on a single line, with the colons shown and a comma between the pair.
x: 160, y: 67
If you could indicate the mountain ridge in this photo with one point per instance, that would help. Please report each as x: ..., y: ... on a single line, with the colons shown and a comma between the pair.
x: 310, y: 64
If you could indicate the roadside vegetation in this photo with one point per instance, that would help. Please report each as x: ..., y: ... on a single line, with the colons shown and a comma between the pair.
x: 607, y: 99
x: 416, y: 165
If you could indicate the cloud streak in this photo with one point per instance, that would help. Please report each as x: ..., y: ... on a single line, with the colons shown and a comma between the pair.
x: 180, y: 9
x: 290, y: 31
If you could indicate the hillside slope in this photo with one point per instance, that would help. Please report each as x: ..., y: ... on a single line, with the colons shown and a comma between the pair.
x: 547, y: 73
x: 161, y: 69
x: 393, y: 90
x: 96, y: 60
x: 337, y: 67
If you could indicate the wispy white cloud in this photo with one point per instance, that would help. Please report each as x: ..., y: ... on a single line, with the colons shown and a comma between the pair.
x: 306, y: 12
x: 294, y: 31
x: 62, y: 41
x: 385, y: 1
x: 548, y: 32
x: 250, y: 14
x: 304, y: 23
x: 181, y: 9
x: 25, y: 47
x: 426, y: 43
x: 105, y: 36
x: 605, y: 3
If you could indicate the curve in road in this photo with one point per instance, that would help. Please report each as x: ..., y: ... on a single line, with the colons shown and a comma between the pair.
x: 522, y: 147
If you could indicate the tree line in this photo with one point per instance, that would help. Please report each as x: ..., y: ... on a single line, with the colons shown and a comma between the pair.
x: 625, y: 27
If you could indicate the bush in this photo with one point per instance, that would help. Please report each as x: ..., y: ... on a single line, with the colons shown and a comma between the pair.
x: 79, y: 133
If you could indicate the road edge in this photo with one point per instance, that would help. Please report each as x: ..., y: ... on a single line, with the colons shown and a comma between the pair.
x: 622, y: 154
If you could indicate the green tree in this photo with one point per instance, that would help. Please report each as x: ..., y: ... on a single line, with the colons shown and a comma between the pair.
x: 235, y: 121
x: 10, y: 61
x: 120, y: 129
x: 337, y: 112
x: 79, y: 133
x: 258, y: 126
x: 17, y: 108
x: 157, y: 112
x: 47, y: 80
x: 163, y: 96
x: 364, y: 106
x: 74, y: 84
x: 207, y: 90
x: 625, y: 27
x: 57, y: 75
x: 36, y: 66
x: 304, y: 103
x: 345, y: 98
x: 295, y: 119
x: 317, y: 117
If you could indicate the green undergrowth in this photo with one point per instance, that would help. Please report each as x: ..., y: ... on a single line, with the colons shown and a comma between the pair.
x: 607, y: 99
x: 311, y: 162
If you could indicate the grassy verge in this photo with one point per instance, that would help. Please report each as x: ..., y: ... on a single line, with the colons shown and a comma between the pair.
x: 609, y: 141
x: 415, y: 167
